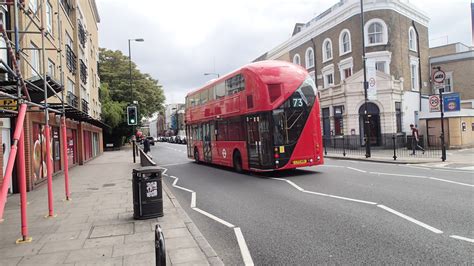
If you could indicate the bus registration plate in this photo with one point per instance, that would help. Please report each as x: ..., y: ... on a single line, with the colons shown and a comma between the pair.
x: 299, y: 162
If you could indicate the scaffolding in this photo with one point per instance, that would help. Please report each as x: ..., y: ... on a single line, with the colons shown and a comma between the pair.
x: 31, y: 96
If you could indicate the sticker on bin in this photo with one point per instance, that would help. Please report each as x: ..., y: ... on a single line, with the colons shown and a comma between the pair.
x: 151, y: 189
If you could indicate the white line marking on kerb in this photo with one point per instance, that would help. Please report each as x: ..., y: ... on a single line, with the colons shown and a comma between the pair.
x: 462, y: 238
x: 355, y: 169
x: 244, y: 250
x: 215, y: 218
x: 165, y: 170
x: 432, y: 229
x: 182, y: 188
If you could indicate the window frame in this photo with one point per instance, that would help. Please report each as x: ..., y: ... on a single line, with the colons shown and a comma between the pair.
x: 297, y: 56
x: 327, y: 70
x: 347, y: 63
x: 414, y: 75
x: 384, y: 32
x: 35, y: 60
x: 324, y: 50
x: 341, y: 42
x: 49, y: 17
x: 309, y: 59
x: 412, y: 42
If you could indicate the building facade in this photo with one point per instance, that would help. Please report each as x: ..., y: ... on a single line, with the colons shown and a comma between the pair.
x: 65, y: 58
x: 330, y: 47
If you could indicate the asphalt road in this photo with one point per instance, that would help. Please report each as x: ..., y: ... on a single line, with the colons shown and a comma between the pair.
x: 345, y: 212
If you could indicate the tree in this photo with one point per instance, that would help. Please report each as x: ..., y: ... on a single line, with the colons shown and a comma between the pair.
x: 115, y: 93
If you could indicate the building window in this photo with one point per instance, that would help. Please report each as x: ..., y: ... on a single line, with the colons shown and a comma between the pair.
x: 380, y: 66
x: 35, y: 63
x: 309, y: 58
x: 51, y: 68
x: 345, y: 42
x: 70, y: 85
x: 49, y: 18
x: 345, y: 67
x: 338, y: 120
x: 376, y: 32
x: 328, y: 75
x: 414, y: 73
x: 296, y: 59
x: 448, y: 82
x: 33, y: 5
x: 398, y: 116
x: 412, y: 39
x: 327, y: 50
x: 329, y: 79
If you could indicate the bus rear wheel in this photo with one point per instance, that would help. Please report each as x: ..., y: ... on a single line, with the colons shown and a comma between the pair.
x: 237, y: 162
x: 196, y: 155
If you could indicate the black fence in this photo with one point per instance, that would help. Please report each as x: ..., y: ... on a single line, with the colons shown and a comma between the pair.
x: 387, y: 146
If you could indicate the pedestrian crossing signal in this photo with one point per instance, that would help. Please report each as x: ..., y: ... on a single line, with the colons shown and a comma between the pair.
x: 132, y: 115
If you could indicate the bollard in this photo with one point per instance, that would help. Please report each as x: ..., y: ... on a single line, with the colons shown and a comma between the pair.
x: 133, y: 148
x: 160, y: 251
x: 343, y: 146
x: 325, y: 146
x: 394, y: 148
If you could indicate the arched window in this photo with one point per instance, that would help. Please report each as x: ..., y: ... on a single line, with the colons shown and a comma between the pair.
x: 345, y: 45
x: 376, y: 32
x: 412, y: 39
x: 309, y: 58
x: 296, y: 59
x: 327, y: 50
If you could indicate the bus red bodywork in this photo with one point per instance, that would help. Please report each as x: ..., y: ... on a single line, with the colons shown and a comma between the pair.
x: 263, y: 116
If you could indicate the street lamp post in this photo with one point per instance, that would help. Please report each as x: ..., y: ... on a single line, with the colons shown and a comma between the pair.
x: 131, y: 88
x: 366, y: 86
x: 207, y: 74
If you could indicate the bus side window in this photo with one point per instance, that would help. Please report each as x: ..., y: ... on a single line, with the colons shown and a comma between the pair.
x: 220, y: 90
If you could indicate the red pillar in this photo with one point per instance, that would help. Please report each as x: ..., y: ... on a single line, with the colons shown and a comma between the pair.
x: 21, y: 167
x: 49, y: 167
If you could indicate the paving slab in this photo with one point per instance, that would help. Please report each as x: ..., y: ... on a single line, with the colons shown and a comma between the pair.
x: 89, y: 253
x: 45, y: 259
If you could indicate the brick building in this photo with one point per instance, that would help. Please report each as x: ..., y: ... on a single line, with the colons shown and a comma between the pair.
x: 69, y: 68
x: 330, y: 47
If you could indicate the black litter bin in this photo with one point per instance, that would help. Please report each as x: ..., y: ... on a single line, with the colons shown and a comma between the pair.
x: 147, y: 193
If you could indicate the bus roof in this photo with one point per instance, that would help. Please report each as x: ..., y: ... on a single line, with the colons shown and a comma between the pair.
x: 259, y: 68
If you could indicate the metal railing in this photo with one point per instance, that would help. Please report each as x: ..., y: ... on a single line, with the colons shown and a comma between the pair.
x: 72, y: 99
x: 71, y: 59
x: 386, y: 146
x: 82, y: 34
x: 83, y: 72
x: 85, y: 106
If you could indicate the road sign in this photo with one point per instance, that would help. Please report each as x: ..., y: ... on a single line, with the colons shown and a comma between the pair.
x: 434, y: 103
x: 371, y: 80
x: 451, y: 102
x: 439, y: 76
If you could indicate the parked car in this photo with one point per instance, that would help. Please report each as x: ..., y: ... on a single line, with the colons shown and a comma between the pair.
x: 182, y: 139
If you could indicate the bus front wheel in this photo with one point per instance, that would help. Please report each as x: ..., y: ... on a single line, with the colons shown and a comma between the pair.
x: 237, y: 162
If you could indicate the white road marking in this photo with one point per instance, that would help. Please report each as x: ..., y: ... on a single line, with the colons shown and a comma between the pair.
x: 469, y: 168
x: 244, y: 250
x: 193, y: 200
x: 217, y: 219
x: 174, y: 164
x: 355, y: 200
x: 238, y: 233
x: 358, y: 170
x: 315, y: 193
x: 432, y: 229
x: 164, y: 171
x: 462, y: 238
x: 425, y: 177
x: 329, y: 165
x: 289, y: 182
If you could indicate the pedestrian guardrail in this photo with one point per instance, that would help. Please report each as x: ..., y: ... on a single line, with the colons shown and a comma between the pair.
x: 389, y: 146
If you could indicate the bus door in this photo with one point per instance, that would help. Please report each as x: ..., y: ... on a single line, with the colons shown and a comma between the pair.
x: 207, y: 128
x: 259, y: 141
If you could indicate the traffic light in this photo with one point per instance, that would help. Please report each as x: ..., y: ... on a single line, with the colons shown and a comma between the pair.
x: 132, y: 115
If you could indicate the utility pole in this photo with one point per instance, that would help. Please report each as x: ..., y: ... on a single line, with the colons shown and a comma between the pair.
x: 131, y: 90
x: 366, y: 86
x: 443, y: 146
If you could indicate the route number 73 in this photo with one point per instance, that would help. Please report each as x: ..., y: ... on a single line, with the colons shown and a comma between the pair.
x: 297, y: 102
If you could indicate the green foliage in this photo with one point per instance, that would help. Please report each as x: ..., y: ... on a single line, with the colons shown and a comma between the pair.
x: 115, y: 92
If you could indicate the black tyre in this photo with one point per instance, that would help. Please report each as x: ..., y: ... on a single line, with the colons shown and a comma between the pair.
x: 237, y: 159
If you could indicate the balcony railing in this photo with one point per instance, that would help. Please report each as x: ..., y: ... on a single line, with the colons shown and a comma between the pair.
x: 71, y: 59
x: 83, y: 72
x: 72, y: 99
x: 82, y: 34
x: 85, y: 106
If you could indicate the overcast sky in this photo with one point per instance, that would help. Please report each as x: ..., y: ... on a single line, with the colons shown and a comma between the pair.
x: 184, y: 39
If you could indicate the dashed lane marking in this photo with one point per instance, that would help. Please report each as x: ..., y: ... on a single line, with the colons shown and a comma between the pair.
x: 462, y: 238
x: 358, y: 170
x: 406, y: 217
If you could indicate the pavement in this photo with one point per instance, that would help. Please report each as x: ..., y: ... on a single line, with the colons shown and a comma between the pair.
x: 343, y: 212
x: 97, y: 227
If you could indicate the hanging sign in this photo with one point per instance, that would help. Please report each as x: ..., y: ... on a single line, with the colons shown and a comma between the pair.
x: 371, y: 80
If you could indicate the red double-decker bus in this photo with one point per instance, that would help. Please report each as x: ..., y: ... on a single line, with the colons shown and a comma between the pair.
x: 261, y: 117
